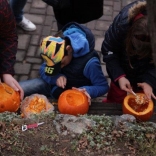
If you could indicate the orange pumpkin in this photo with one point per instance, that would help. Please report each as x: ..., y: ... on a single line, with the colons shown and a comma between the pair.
x: 73, y: 102
x: 35, y: 104
x: 142, y: 112
x: 9, y: 98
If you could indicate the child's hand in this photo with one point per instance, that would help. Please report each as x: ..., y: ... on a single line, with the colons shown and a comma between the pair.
x: 147, y: 90
x: 125, y: 84
x: 84, y: 91
x: 61, y: 82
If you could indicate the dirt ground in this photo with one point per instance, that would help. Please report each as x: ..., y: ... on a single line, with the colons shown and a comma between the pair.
x: 44, y: 140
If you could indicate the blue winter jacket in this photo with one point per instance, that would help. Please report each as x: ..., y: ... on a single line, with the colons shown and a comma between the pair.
x: 114, y: 53
x: 84, y: 71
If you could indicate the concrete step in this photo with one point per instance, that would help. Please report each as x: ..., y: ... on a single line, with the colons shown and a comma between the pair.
x: 99, y: 108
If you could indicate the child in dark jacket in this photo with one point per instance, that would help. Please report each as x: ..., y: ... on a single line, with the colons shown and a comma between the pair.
x: 127, y: 52
x: 70, y: 61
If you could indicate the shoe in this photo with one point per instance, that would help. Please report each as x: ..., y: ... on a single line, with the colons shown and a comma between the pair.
x: 27, y: 25
x: 104, y: 100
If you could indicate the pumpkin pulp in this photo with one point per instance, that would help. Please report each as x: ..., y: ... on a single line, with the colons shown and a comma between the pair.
x: 137, y: 107
x: 37, y: 105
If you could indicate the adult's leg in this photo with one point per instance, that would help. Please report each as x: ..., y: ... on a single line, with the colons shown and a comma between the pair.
x: 17, y: 8
x: 35, y: 86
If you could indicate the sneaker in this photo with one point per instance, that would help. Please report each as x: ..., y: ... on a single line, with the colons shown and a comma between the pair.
x: 27, y: 25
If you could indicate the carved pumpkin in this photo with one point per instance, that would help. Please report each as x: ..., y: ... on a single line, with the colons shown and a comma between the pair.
x: 73, y: 102
x: 35, y: 104
x: 142, y: 112
x: 9, y: 98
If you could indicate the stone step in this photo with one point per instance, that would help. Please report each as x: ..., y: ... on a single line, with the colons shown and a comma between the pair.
x: 99, y: 108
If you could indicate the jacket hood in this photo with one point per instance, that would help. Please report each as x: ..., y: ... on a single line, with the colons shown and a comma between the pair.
x: 136, y: 9
x: 82, y: 39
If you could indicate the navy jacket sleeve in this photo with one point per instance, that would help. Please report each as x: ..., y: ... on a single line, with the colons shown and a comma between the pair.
x: 8, y: 39
x: 113, y: 44
x: 94, y: 72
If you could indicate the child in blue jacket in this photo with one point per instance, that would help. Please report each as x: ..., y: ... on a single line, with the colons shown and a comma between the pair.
x: 70, y: 62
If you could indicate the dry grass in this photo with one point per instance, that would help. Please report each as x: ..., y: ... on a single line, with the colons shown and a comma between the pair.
x: 103, y: 139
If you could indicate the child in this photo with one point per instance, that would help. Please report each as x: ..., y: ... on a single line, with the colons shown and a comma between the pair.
x: 127, y: 52
x: 70, y: 61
